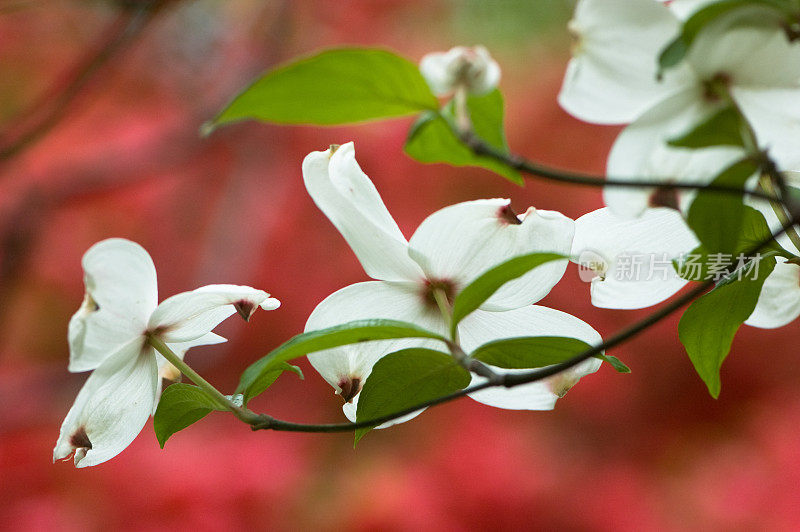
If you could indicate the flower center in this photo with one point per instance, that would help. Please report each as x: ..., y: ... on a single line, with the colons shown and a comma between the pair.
x: 442, y: 288
x: 716, y: 88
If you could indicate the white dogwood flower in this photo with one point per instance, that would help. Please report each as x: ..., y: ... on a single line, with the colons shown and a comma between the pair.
x: 109, y: 335
x: 629, y: 260
x: 450, y: 248
x: 470, y: 67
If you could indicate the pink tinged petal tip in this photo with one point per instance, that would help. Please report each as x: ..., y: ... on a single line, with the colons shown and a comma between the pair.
x: 80, y: 445
x: 245, y: 309
x: 664, y: 197
x: 507, y: 216
x: 349, y: 388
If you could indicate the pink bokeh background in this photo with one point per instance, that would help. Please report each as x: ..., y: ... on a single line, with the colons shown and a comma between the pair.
x: 649, y: 450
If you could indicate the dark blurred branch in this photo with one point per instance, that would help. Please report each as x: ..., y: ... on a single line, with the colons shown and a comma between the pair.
x: 49, y: 110
x: 516, y: 379
x: 479, y: 147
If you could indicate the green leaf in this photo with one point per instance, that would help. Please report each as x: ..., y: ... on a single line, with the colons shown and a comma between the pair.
x: 269, y: 376
x: 615, y: 363
x: 725, y: 127
x: 251, y: 382
x: 338, y: 86
x: 708, y: 326
x: 431, y: 138
x: 406, y: 378
x: 716, y: 218
x: 752, y: 232
x: 529, y: 352
x: 482, y: 288
x: 180, y: 406
x: 675, y: 51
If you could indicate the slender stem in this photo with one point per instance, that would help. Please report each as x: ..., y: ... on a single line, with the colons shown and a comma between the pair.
x: 511, y: 380
x: 479, y: 147
x: 161, y: 346
x: 766, y: 182
x: 464, y: 360
x: 444, y: 306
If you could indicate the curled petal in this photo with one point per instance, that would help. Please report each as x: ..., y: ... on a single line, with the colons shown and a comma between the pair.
x: 460, y: 242
x: 190, y: 315
x: 349, y: 199
x: 481, y: 327
x: 346, y: 368
x: 779, y: 300
x: 629, y: 260
x: 112, y: 407
x: 121, y: 293
x: 612, y: 76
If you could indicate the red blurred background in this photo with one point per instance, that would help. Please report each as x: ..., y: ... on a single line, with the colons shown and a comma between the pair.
x: 649, y: 450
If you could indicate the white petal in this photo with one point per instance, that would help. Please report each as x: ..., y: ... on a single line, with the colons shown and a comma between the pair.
x: 188, y: 316
x: 612, y: 76
x: 460, y: 242
x: 641, y: 153
x: 341, y: 366
x: 349, y: 199
x: 121, y: 293
x: 482, y: 327
x: 635, y: 253
x: 112, y: 407
x: 774, y: 115
x: 749, y: 56
x: 779, y: 301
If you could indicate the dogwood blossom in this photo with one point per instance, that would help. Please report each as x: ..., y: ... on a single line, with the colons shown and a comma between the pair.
x: 450, y: 248
x: 109, y: 335
x: 470, y: 67
x: 630, y: 259
x: 753, y: 65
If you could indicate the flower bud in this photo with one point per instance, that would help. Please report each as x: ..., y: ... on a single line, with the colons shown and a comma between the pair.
x: 469, y: 67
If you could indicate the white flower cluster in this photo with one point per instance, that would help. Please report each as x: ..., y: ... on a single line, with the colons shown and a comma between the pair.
x: 613, y: 78
x: 743, y: 60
